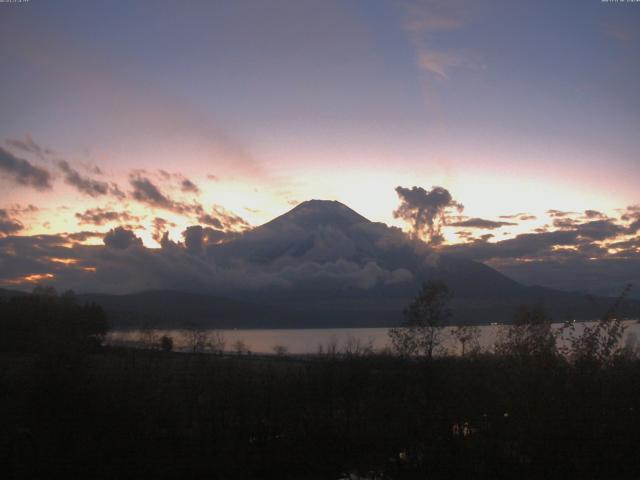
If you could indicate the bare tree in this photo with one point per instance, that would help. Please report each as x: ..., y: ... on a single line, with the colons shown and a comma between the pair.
x: 166, y: 343
x: 355, y: 347
x: 240, y: 347
x: 468, y: 336
x: 531, y: 333
x: 216, y: 342
x: 600, y: 342
x: 196, y: 337
x: 148, y: 338
x: 425, y: 317
x: 280, y: 350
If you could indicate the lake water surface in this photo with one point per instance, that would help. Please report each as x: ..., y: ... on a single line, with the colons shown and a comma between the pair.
x: 306, y: 341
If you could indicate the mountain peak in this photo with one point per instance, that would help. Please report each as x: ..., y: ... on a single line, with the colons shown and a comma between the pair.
x: 312, y: 213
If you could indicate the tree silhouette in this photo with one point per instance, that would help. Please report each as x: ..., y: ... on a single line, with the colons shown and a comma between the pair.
x: 45, y: 322
x: 425, y: 317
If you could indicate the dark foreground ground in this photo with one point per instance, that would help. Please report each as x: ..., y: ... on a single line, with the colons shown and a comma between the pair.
x: 136, y: 414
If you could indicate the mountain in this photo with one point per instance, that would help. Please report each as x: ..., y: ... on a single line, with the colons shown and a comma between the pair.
x: 334, y: 261
x: 322, y: 264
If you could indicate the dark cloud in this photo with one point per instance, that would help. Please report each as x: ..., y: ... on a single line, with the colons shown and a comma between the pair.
x: 194, y: 239
x: 203, y: 264
x: 159, y: 228
x: 83, y: 236
x: 121, y: 239
x: 593, y: 255
x: 594, y: 214
x: 426, y: 211
x: 565, y: 222
x: 166, y: 243
x: 9, y: 225
x: 188, y: 186
x: 481, y: 223
x: 28, y: 146
x: 210, y: 220
x: 599, y: 230
x: 632, y: 215
x: 559, y: 213
x: 519, y: 216
x: 23, y: 172
x: 222, y: 219
x: 87, y: 185
x: 197, y: 238
x: 145, y: 191
x: 100, y: 216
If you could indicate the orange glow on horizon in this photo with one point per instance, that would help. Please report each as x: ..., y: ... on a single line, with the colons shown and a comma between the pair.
x: 33, y: 278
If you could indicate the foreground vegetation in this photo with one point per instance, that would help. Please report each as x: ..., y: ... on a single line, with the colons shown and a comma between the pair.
x: 525, y: 411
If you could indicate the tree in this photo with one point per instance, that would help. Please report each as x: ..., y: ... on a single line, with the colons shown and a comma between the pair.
x: 240, y: 347
x: 280, y: 350
x: 196, y: 337
x: 598, y: 343
x: 531, y: 333
x: 166, y: 343
x: 467, y: 335
x: 425, y: 317
x: 45, y: 322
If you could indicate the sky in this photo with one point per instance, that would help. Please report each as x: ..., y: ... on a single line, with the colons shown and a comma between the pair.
x: 155, y: 116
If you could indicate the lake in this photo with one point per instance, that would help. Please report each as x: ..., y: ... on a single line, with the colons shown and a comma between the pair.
x: 309, y: 341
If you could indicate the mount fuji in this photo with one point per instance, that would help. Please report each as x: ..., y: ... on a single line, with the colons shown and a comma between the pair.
x: 324, y: 265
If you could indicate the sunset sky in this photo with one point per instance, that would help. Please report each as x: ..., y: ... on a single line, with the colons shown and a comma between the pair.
x: 159, y: 115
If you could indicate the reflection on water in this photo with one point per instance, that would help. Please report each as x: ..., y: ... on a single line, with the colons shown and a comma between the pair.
x: 304, y: 341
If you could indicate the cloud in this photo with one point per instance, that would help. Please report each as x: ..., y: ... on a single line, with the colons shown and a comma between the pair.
x: 559, y: 213
x: 426, y: 211
x: 599, y: 230
x: 440, y: 62
x: 87, y: 185
x: 121, y: 239
x: 197, y: 238
x: 194, y: 239
x: 425, y: 22
x: 519, y: 216
x: 188, y: 186
x: 23, y: 172
x: 145, y: 191
x: 83, y: 236
x: 594, y: 214
x: 159, y: 228
x: 222, y: 219
x: 100, y: 216
x: 431, y: 17
x: 590, y: 254
x: 481, y: 223
x: 29, y: 146
x: 9, y: 225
